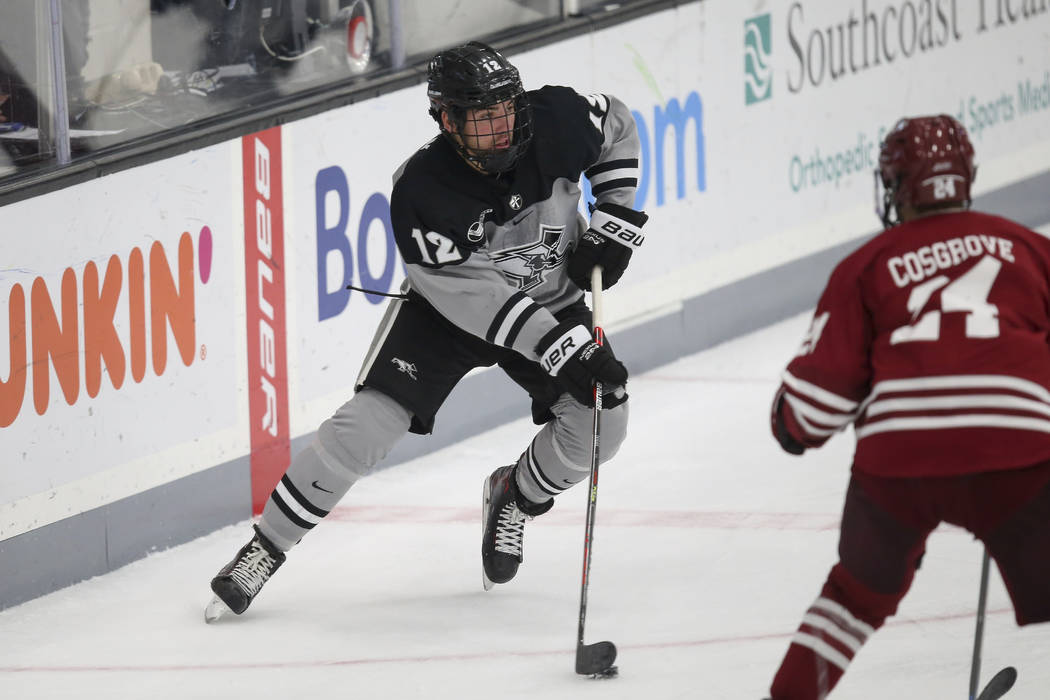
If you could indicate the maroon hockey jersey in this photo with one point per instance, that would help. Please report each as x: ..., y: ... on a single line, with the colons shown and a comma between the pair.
x: 932, y: 340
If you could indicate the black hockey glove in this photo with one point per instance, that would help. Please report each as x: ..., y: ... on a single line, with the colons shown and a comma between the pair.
x: 614, y: 233
x: 787, y: 442
x: 570, y: 355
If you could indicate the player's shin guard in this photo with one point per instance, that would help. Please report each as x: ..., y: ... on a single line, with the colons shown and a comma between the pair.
x: 832, y: 632
x: 560, y: 454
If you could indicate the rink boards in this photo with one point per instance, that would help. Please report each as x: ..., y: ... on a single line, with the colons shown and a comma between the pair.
x: 171, y: 334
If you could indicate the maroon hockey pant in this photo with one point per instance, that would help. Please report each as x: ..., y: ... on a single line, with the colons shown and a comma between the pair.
x: 885, y: 524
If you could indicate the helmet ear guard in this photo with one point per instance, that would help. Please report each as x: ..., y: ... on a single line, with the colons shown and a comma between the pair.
x: 926, y: 163
x: 456, y: 115
x: 885, y: 200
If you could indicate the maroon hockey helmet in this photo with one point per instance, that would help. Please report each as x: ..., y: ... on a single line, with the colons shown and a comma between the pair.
x: 925, y: 163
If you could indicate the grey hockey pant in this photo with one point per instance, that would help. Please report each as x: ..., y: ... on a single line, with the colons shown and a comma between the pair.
x: 362, y: 432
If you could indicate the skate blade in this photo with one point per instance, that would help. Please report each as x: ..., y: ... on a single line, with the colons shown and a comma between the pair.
x: 215, y: 610
x: 485, y: 495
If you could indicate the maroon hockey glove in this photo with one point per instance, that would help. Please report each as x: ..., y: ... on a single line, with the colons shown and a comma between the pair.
x: 780, y: 430
x: 570, y: 355
x: 614, y: 233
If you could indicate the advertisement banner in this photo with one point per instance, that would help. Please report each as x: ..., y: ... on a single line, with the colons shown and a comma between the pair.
x: 340, y: 166
x: 759, y: 124
x: 127, y: 362
x: 264, y: 279
x: 118, y: 350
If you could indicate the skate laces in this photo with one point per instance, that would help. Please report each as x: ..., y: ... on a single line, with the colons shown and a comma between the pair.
x: 510, y: 529
x: 253, y: 568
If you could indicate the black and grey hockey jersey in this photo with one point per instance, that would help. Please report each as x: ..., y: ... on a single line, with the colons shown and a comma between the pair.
x: 490, y: 252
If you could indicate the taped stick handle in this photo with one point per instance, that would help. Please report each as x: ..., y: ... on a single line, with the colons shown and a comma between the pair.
x: 596, y: 296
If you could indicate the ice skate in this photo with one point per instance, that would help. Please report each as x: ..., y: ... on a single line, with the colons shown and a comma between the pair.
x: 237, y: 583
x: 503, y: 514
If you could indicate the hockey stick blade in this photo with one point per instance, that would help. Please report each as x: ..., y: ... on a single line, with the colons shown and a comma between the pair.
x: 999, y: 685
x: 596, y: 659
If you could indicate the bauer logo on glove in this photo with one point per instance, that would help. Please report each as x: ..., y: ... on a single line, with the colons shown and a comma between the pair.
x: 615, y: 229
x: 561, y: 344
x: 614, y: 233
x: 576, y: 361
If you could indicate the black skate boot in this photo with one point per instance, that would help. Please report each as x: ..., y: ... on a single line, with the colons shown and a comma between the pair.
x: 237, y: 583
x: 503, y: 514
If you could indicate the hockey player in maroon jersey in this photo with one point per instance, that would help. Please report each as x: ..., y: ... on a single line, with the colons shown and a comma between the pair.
x: 932, y: 340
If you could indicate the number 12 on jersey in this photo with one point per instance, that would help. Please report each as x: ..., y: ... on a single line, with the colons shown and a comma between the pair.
x: 435, y: 249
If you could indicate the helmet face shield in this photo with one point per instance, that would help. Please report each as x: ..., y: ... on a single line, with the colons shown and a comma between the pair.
x: 492, y: 136
x: 486, y: 112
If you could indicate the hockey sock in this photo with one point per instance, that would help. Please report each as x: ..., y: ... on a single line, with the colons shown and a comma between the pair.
x: 832, y: 631
x: 560, y: 454
x: 347, y: 446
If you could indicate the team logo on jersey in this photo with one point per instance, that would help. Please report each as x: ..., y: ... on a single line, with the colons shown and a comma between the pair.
x: 476, y: 232
x: 527, y: 265
x: 408, y: 368
x: 515, y: 202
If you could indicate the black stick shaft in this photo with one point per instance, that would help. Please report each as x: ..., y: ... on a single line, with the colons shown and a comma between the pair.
x: 592, y: 497
x: 592, y: 502
x: 978, y: 635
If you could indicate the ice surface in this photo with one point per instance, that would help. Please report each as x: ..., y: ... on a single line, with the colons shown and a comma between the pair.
x: 710, y: 544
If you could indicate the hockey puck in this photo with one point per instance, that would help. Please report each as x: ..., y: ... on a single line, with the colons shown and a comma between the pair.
x: 611, y: 672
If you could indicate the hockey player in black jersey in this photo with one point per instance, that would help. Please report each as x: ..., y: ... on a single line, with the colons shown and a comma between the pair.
x: 497, y: 255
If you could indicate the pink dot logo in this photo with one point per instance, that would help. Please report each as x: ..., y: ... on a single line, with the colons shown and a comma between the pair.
x: 204, y: 249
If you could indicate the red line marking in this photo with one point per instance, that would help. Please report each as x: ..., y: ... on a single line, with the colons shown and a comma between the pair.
x: 716, y: 520
x: 275, y: 665
x: 610, y: 517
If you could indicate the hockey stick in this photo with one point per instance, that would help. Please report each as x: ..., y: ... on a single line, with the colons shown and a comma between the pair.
x: 1002, y: 681
x: 999, y: 685
x: 978, y: 635
x: 593, y: 659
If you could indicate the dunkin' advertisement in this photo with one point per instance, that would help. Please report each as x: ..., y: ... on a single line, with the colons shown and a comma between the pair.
x: 120, y: 364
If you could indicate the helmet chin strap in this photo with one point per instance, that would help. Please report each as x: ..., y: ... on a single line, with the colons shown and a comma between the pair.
x: 500, y: 161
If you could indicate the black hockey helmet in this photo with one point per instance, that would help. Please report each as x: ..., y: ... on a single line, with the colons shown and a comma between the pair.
x: 474, y: 76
